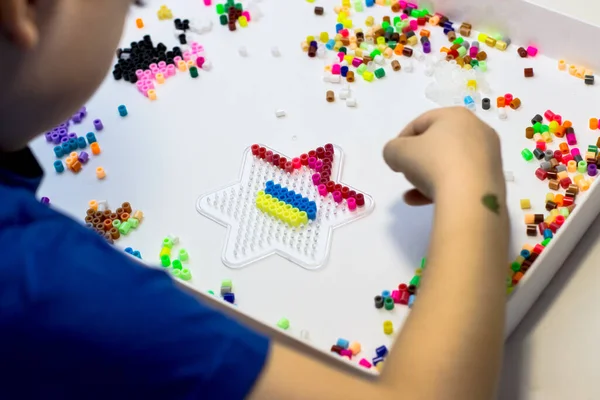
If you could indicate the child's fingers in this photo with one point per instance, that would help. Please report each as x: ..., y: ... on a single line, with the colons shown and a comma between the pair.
x: 16, y: 23
x: 415, y: 198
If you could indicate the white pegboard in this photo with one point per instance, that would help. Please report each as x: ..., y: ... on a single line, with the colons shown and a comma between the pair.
x: 253, y: 234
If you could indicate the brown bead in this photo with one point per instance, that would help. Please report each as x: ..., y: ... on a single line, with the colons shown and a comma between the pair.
x: 460, y: 61
x: 105, y: 214
x: 360, y: 35
x: 525, y: 266
x: 330, y: 96
x: 412, y: 289
x: 396, y: 7
x: 529, y: 132
x: 407, y: 52
x: 114, y: 233
x: 379, y: 32
x: 553, y: 184
x: 107, y: 224
x: 138, y: 215
x: 553, y: 162
x: 464, y: 31
x: 574, y: 188
x: 387, y: 19
x: 100, y: 227
x: 367, y: 59
x: 552, y: 175
x: 528, y: 72
x: 345, y: 41
x: 114, y: 216
x: 466, y: 25
x: 312, y: 51
x: 482, y: 56
x: 126, y: 207
x: 467, y: 60
x: 571, y: 208
x: 403, y: 40
x: 451, y: 36
x: 550, y: 205
x: 531, y: 230
x: 319, y: 11
x: 396, y: 65
x: 522, y: 52
x: 450, y: 58
x: 443, y: 20
x: 124, y: 217
x: 455, y: 47
x: 96, y: 221
x: 336, y: 349
x: 88, y: 219
x: 533, y: 257
x: 119, y: 211
x: 515, y: 103
x: 395, y: 37
x: 538, y: 218
x: 232, y: 27
x: 90, y: 212
x: 350, y: 76
x: 98, y: 214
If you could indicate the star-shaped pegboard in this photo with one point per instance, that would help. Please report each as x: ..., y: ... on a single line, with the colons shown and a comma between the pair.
x: 253, y: 234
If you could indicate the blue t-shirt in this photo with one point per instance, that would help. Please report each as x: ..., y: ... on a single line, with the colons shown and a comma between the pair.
x: 80, y: 320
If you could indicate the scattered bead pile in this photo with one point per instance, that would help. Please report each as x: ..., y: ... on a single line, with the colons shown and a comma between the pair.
x: 175, y: 266
x: 134, y: 253
x: 235, y: 14
x: 111, y: 224
x: 578, y: 72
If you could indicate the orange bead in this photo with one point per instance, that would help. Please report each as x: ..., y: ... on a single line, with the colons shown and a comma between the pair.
x: 517, y: 277
x: 425, y: 32
x: 564, y: 148
x: 529, y: 219
x: 398, y: 49
x: 93, y: 204
x: 444, y: 50
x: 100, y: 173
x: 500, y: 102
x: 139, y: 23
x: 560, y: 132
x: 69, y: 161
x: 76, y: 166
x: 152, y: 94
x: 567, y: 124
x: 124, y: 217
x: 95, y: 148
x: 558, y: 199
x: 593, y: 123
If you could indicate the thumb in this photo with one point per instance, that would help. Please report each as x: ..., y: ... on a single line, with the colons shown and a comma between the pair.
x: 398, y: 152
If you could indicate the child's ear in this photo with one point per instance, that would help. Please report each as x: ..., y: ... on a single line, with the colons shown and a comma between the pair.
x: 18, y: 24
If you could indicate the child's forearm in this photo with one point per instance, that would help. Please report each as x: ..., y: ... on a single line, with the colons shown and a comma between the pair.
x: 450, y: 346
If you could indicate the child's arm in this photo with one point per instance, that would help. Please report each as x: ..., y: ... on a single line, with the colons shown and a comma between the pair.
x: 450, y: 346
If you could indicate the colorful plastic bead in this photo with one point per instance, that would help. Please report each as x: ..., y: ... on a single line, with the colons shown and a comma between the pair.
x: 283, y: 323
x: 122, y: 110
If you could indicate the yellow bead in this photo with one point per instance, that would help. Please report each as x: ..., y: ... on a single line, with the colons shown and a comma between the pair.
x: 358, y: 52
x: 501, y: 45
x: 578, y: 178
x: 549, y: 219
x: 584, y: 185
x: 165, y: 252
x: 347, y: 23
x: 368, y: 76
x: 381, y: 40
x: 467, y: 66
x: 525, y: 204
x: 310, y: 38
x: 338, y: 45
x: 337, y: 37
x: 324, y: 37
x: 341, y: 16
x: 549, y: 196
x: 412, y: 40
x: 418, y: 271
x: 346, y: 3
x: 553, y: 126
x: 243, y: 21
x: 304, y: 46
x: 369, y: 21
x: 554, y: 212
x: 547, y: 137
x: 388, y: 327
x: 379, y: 366
x: 348, y: 59
x: 472, y: 83
x: 260, y: 193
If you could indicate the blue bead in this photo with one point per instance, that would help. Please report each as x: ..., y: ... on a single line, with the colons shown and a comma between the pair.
x: 277, y: 187
x: 377, y: 360
x: 122, y: 111
x: 311, y: 214
x: 448, y: 25
x: 446, y: 30
x: 91, y: 138
x: 298, y: 197
x: 66, y: 147
x: 313, y: 44
x: 269, y: 190
x: 468, y: 100
x: 411, y: 300
x: 269, y: 184
x: 292, y: 193
x: 343, y: 343
x: 344, y: 71
x: 338, y: 27
x: 525, y: 254
x: 137, y: 254
x: 547, y: 234
x: 229, y: 297
x: 386, y: 293
x: 330, y: 44
x: 312, y: 205
x: 128, y: 250
x: 81, y: 143
x: 58, y: 151
x: 59, y: 166
x: 370, y: 3
x: 284, y: 191
x: 381, y: 351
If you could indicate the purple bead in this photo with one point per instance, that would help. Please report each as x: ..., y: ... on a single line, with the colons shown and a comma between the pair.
x: 48, y: 136
x: 64, y: 125
x: 98, y: 125
x: 426, y: 47
x: 55, y: 138
x: 83, y: 112
x: 62, y: 133
x: 45, y: 200
x: 83, y: 157
x: 76, y: 118
x: 72, y: 135
x: 64, y: 139
x: 592, y: 170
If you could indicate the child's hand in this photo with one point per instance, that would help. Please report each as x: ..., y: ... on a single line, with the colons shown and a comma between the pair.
x: 446, y: 150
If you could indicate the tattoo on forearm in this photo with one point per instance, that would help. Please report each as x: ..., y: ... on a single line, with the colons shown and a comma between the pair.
x: 490, y: 201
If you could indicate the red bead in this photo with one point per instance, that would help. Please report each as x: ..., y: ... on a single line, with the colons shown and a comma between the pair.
x: 404, y: 295
x: 328, y: 155
x: 407, y: 29
x: 352, y: 194
x: 262, y: 152
x: 326, y: 175
x: 541, y: 174
x: 297, y: 163
x: 282, y: 162
x: 568, y: 201
x: 402, y: 287
x: 549, y: 115
x: 554, y: 227
x: 360, y: 199
x: 541, y: 145
x: 320, y: 152
x: 326, y: 168
x: 421, y: 21
x: 542, y: 227
x: 255, y: 149
x: 337, y: 188
x: 289, y: 167
x: 304, y: 159
x: 312, y: 153
x: 323, y: 180
x: 538, y: 248
x: 330, y: 185
x: 275, y: 159
x: 566, y: 158
x: 329, y: 147
x: 558, y: 155
x: 508, y: 98
x: 453, y: 53
x: 560, y: 219
x: 345, y: 191
x: 564, y: 183
x: 269, y: 156
x: 557, y: 118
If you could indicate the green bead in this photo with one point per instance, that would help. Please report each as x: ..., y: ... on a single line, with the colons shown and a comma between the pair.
x: 116, y: 223
x: 416, y: 280
x: 593, y: 149
x: 361, y: 68
x: 458, y: 40
x: 389, y: 29
x: 374, y: 53
x: 545, y: 242
x: 379, y: 73
x: 230, y: 3
x: 186, y: 274
x: 176, y: 273
x: 509, y: 290
x: 544, y: 128
x: 165, y: 260
x: 134, y: 222
x: 564, y: 211
x: 582, y: 167
x: 125, y: 228
x: 183, y: 255
x: 482, y: 66
x: 537, y: 127
x: 462, y: 51
x: 211, y: 292
x: 388, y: 303
x: 414, y: 13
x: 396, y: 20
x: 364, y: 46
x: 474, y: 63
x: 385, y: 25
x: 193, y: 72
x: 423, y: 262
x: 497, y: 36
x: 226, y: 283
x: 223, y: 19
x: 398, y: 26
x: 508, y: 281
x: 167, y: 242
x: 426, y: 12
x: 239, y: 6
x: 177, y: 264
x: 358, y: 6
x: 391, y: 44
x: 515, y: 266
x: 220, y: 9
x: 343, y: 50
x: 283, y: 323
x: 527, y: 154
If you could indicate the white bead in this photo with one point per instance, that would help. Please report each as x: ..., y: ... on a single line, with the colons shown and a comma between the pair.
x: 428, y: 70
x: 344, y: 63
x: 207, y: 66
x: 275, y: 51
x: 280, y: 113
x: 408, y: 66
x: 344, y: 94
x: 243, y: 51
x: 418, y: 54
x: 379, y: 59
x: 102, y: 205
x: 321, y: 52
x: 173, y: 238
x: 509, y: 176
x: 351, y: 102
x: 304, y: 335
x: 335, y: 78
x: 502, y: 113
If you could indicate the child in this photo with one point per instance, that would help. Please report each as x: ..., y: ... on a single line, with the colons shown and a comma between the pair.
x: 79, y: 320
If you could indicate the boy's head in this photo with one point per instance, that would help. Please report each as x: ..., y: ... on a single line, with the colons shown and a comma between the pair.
x: 53, y: 55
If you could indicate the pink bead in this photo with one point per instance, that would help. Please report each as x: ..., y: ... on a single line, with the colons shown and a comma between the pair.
x: 575, y: 152
x: 207, y: 2
x: 412, y: 5
x: 150, y: 84
x: 341, y: 56
x: 403, y: 16
x: 473, y: 52
x: 322, y: 190
x: 571, y: 139
x: 337, y: 196
x: 316, y: 178
x: 414, y: 25
x: 336, y: 69
x: 351, y: 203
x: 396, y: 296
x: 558, y: 119
x: 508, y: 98
x: 247, y: 15
x: 402, y: 4
x: 153, y: 67
x: 364, y: 363
x: 171, y: 70
x: 312, y: 162
x: 177, y: 59
x: 200, y: 62
x: 145, y: 90
x: 162, y: 64
x: 346, y: 353
x: 318, y: 165
x: 164, y: 72
x: 139, y: 73
x: 147, y: 74
x: 139, y: 84
x: 296, y: 163
x: 532, y: 51
x: 356, y: 62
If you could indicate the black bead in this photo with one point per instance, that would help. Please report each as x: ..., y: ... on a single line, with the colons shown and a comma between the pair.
x: 117, y: 75
x: 161, y: 47
x: 578, y: 159
x: 539, y: 154
x: 485, y: 103
x: 182, y: 39
x: 378, y: 302
x: 412, y: 289
x: 570, y: 130
x: 424, y: 39
x: 410, y: 34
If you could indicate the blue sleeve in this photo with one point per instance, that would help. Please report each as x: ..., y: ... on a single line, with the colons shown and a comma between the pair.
x: 85, y: 321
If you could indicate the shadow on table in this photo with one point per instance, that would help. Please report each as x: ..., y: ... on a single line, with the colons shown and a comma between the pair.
x: 516, y: 352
